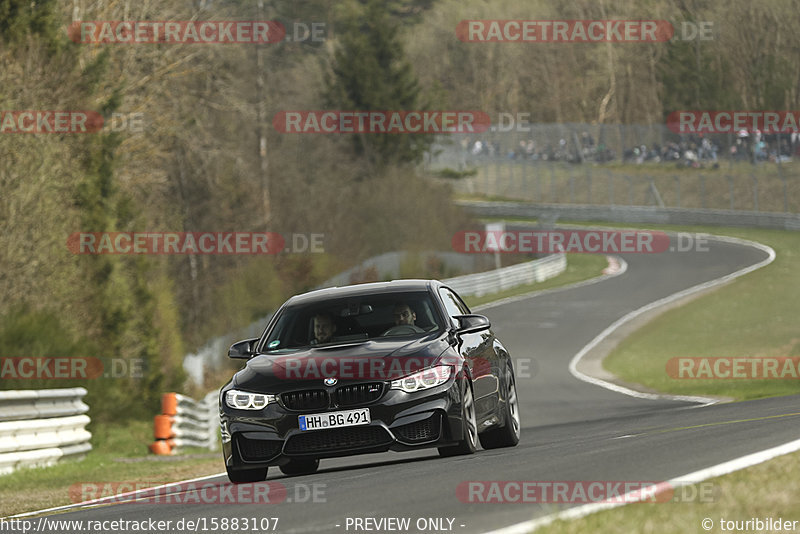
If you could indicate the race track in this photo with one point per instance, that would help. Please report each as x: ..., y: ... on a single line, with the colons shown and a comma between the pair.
x: 572, y: 430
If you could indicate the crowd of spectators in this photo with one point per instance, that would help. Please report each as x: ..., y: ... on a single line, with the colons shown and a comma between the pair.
x: 689, y: 150
x: 531, y: 150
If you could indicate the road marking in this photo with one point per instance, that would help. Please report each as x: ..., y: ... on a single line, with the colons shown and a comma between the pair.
x: 691, y: 478
x: 110, y: 499
x: 718, y: 423
x: 703, y: 401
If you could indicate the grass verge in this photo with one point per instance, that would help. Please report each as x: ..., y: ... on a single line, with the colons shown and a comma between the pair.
x: 753, y: 317
x: 118, y: 457
x: 767, y: 490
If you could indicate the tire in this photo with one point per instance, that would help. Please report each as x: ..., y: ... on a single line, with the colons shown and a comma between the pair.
x: 243, y: 476
x: 508, y: 434
x: 301, y: 466
x: 469, y: 439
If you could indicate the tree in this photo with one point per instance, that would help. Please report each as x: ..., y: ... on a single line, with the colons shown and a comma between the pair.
x: 19, y: 18
x: 370, y: 72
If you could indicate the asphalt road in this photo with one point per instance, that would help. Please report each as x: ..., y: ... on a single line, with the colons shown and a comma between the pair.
x: 571, y: 430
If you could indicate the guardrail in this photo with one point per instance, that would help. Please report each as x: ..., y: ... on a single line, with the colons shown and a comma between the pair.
x: 40, y: 427
x: 185, y: 422
x: 635, y: 214
x: 480, y: 284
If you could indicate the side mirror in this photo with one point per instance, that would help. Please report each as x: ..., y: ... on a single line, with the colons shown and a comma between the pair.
x: 242, y: 349
x: 472, y: 323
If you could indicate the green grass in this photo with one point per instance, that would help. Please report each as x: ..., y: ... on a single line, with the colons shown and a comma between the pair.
x: 580, y: 267
x: 120, y: 455
x: 755, y: 316
x: 769, y: 489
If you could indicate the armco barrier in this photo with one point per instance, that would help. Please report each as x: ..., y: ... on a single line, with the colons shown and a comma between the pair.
x: 185, y: 422
x: 39, y: 427
x: 480, y: 284
x: 635, y: 214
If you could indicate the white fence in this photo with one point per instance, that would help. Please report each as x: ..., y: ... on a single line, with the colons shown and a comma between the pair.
x: 480, y: 284
x: 39, y: 427
x: 185, y: 422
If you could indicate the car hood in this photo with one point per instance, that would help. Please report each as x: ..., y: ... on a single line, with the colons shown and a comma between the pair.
x: 372, y: 360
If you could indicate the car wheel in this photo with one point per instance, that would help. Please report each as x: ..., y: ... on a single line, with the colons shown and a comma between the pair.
x: 469, y: 441
x: 508, y: 434
x: 241, y: 476
x: 300, y: 466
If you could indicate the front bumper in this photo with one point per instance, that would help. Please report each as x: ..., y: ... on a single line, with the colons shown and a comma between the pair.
x: 399, y: 421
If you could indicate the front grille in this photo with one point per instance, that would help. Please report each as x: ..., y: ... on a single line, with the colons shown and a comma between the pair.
x: 258, y: 450
x: 337, y: 439
x: 425, y: 430
x: 312, y: 399
x: 356, y: 394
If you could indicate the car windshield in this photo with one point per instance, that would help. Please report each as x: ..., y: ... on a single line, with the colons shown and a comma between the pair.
x: 353, y: 319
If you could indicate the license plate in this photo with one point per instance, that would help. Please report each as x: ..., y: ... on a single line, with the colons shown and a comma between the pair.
x: 318, y: 421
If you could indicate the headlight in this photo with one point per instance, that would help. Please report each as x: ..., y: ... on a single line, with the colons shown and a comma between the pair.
x: 244, y: 400
x: 425, y: 379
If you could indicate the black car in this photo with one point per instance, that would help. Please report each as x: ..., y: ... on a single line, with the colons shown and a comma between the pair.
x: 399, y: 365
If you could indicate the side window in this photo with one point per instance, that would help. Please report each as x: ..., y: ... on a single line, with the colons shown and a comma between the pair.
x: 452, y: 304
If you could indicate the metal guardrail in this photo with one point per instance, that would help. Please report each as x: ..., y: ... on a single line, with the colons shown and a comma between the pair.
x: 480, y: 284
x: 185, y: 422
x: 39, y: 427
x: 635, y: 214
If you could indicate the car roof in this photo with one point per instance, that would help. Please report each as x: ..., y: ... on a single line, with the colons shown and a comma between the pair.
x: 358, y: 290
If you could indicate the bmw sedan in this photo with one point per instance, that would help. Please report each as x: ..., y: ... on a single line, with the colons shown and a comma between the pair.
x: 400, y: 366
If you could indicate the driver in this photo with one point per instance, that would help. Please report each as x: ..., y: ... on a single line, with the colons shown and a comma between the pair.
x: 324, y: 328
x: 403, y: 314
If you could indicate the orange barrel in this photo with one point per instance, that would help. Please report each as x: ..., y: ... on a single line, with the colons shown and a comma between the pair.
x: 163, y: 427
x: 169, y: 404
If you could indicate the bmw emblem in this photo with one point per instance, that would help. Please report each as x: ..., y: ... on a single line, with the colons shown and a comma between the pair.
x: 330, y: 381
